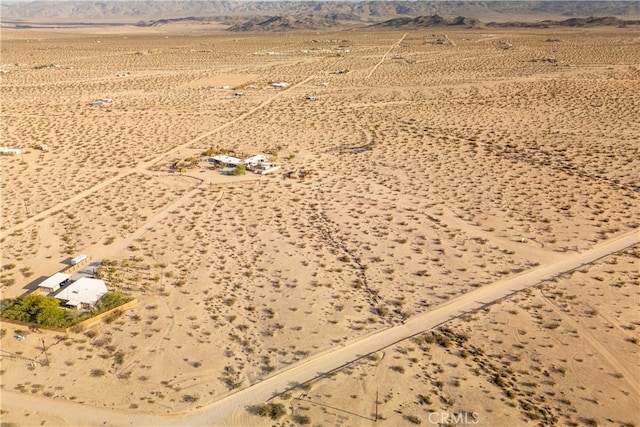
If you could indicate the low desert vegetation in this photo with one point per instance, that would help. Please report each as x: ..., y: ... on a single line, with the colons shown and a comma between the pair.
x: 45, y: 311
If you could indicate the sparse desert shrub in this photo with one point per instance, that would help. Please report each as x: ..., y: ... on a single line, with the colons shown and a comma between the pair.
x: 552, y: 325
x: 443, y: 341
x: 124, y: 375
x: 532, y: 415
x: 397, y: 368
x: 190, y: 398
x: 272, y: 410
x: 382, y: 310
x: 118, y: 357
x: 97, y: 373
x: 238, y: 170
x: 303, y: 419
x: 413, y: 419
x: 424, y: 400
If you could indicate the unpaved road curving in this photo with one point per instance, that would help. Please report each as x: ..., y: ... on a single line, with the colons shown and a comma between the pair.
x: 233, y: 407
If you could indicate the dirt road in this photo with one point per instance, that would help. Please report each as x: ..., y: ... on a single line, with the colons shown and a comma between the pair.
x: 231, y: 409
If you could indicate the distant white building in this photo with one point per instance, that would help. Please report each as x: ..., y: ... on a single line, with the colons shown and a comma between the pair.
x: 78, y: 259
x: 227, y: 160
x: 53, y: 283
x: 83, y: 293
x: 101, y: 102
x: 254, y: 160
x: 280, y: 84
x: 266, y: 168
x: 10, y: 150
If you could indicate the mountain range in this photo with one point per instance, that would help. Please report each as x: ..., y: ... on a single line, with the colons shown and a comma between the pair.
x: 300, y: 15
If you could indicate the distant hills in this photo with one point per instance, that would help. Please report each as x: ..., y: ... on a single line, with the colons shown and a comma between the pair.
x: 429, y: 21
x: 284, y: 23
x: 301, y: 15
x: 461, y: 21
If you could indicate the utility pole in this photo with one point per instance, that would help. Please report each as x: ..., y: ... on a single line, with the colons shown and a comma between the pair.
x: 44, y: 350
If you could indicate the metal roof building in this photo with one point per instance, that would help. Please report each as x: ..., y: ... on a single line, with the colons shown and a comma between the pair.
x: 53, y: 283
x: 83, y: 293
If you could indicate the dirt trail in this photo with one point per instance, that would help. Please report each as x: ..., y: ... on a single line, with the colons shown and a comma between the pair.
x: 229, y: 408
x: 385, y: 55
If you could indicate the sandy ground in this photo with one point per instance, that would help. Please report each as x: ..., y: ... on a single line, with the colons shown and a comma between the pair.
x: 435, y: 170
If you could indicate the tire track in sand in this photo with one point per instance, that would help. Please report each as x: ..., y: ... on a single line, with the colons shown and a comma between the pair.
x: 385, y: 55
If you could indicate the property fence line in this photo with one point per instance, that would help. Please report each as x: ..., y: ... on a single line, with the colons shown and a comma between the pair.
x: 75, y: 267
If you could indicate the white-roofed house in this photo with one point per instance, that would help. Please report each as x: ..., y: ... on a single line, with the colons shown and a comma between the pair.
x: 53, y: 283
x: 227, y: 160
x: 83, y: 293
x: 254, y: 160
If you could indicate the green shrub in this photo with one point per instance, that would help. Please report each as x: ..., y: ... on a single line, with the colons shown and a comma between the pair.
x: 272, y: 410
x: 238, y: 170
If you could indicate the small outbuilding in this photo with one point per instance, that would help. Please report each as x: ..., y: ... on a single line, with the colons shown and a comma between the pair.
x: 78, y: 259
x: 255, y: 160
x: 10, y: 150
x: 53, y: 283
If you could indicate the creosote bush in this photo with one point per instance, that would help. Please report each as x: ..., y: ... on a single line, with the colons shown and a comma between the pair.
x: 272, y: 410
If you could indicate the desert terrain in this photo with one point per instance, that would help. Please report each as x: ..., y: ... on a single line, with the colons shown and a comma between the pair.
x: 439, y: 164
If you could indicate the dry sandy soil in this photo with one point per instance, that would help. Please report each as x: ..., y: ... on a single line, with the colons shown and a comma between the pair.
x: 436, y: 169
